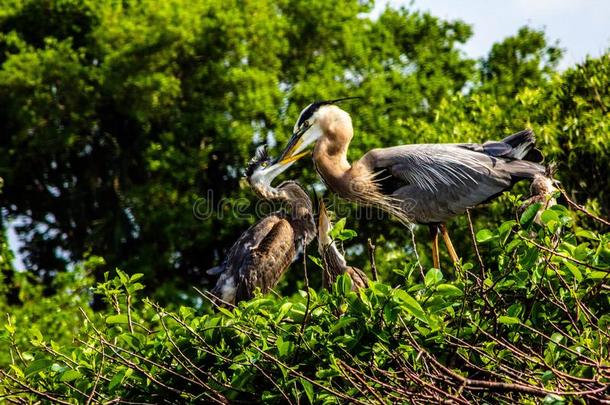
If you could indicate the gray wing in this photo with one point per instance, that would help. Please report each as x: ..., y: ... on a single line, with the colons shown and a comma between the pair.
x: 438, y: 181
x: 267, y: 262
x: 238, y: 255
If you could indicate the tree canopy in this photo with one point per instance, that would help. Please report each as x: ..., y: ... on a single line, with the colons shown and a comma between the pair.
x: 119, y: 116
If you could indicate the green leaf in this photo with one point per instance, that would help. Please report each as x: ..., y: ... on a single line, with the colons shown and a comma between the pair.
x: 508, y: 320
x: 599, y: 275
x: 344, y: 321
x: 337, y: 228
x: 284, y: 347
x: 345, y: 284
x: 529, y: 214
x: 505, y: 228
x: 38, y: 365
x: 70, y: 375
x: 283, y: 311
x: 583, y: 233
x: 547, y: 376
x: 226, y: 312
x: 115, y: 319
x: 10, y: 328
x: 340, y: 233
x: 17, y: 370
x: 116, y: 380
x: 449, y: 290
x: 574, y: 270
x: 122, y: 276
x: 433, y: 276
x: 557, y: 337
x: 553, y: 399
x: 36, y: 335
x: 308, y: 387
x: 551, y: 219
x: 411, y: 305
x: 317, y: 261
x: 515, y: 309
x: 136, y: 287
x: 186, y: 312
x: 484, y: 235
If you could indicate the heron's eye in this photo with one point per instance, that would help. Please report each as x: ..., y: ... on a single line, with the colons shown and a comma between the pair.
x: 305, y: 124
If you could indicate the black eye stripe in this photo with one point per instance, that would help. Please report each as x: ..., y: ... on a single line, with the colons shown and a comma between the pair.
x: 313, y: 107
x: 307, y: 113
x: 310, y: 111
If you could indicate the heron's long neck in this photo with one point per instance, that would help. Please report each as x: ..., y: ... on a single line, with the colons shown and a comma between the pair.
x: 332, y: 254
x: 331, y: 162
x: 334, y: 264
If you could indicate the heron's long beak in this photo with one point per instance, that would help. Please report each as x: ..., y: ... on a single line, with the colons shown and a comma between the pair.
x: 293, y: 145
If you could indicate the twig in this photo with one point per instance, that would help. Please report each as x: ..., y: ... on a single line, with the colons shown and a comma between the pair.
x: 215, y: 396
x: 34, y: 391
x: 129, y: 322
x: 476, y: 246
x: 303, y: 376
x: 359, y: 378
x: 495, y: 386
x: 421, y: 268
x: 554, y: 252
x: 372, y: 259
x: 213, y: 299
x: 583, y: 209
x: 268, y: 377
x: 97, y: 378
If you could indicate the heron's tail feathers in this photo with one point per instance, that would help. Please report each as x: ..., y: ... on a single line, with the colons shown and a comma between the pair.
x: 523, y: 146
x: 523, y: 169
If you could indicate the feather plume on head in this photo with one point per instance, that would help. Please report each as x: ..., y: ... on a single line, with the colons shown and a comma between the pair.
x: 261, y: 156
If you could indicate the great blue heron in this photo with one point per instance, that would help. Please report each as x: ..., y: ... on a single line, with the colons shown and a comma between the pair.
x: 422, y: 183
x: 263, y: 252
x: 332, y: 260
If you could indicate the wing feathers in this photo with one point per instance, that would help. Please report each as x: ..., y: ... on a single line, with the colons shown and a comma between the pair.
x: 268, y: 261
x: 441, y: 180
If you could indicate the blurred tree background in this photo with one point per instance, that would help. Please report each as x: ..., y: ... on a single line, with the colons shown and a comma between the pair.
x: 118, y: 117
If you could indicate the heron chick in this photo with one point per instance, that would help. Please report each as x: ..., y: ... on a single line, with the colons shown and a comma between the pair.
x: 263, y: 252
x: 541, y: 191
x: 332, y: 259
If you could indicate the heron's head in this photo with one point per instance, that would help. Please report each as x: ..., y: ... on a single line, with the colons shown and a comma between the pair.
x: 314, y: 121
x: 261, y: 173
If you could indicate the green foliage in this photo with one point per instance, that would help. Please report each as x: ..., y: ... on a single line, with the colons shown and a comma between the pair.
x: 518, y: 62
x: 30, y: 309
x: 529, y: 324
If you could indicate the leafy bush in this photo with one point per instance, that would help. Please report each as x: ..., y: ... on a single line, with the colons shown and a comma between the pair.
x: 529, y: 320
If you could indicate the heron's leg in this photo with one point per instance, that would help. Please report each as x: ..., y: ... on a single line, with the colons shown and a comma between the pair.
x: 447, y: 240
x: 435, y: 253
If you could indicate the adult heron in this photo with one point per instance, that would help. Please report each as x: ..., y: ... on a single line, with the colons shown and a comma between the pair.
x: 263, y: 252
x: 421, y: 183
x: 332, y: 259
